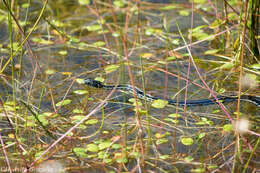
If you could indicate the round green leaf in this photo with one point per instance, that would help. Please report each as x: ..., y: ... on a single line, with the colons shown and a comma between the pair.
x: 111, y: 68
x: 159, y: 103
x: 93, y: 148
x: 84, y: 2
x: 228, y: 127
x: 64, y: 102
x: 187, y: 141
x: 80, y: 92
x: 81, y: 152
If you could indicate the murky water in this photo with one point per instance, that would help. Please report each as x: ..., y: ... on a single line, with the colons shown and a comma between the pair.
x: 90, y: 60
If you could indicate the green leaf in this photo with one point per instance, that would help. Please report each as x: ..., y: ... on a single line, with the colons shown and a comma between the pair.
x: 80, y: 152
x: 92, y: 147
x: 42, y: 119
x: 63, y: 52
x: 186, y: 141
x: 227, y: 66
x: 116, y: 34
x: 161, y: 141
x: 163, y: 157
x: 80, y: 81
x: 116, y: 146
x: 63, y: 103
x: 171, y: 120
x: 159, y: 103
x: 174, y: 115
x: 256, y: 66
x: 133, y: 100
x: 94, y: 27
x: 201, y: 135
x: 149, y: 31
x: 119, y: 3
x: 105, y: 144
x: 146, y: 55
x: 91, y: 121
x: 184, y: 13
x: 84, y: 2
x: 198, y: 170
x: 80, y: 92
x: 189, y: 159
x: 77, y: 118
x: 211, y: 52
x: 99, y: 43
x: 200, y: 1
x: 111, y: 68
x: 50, y: 71
x: 169, y: 7
x: 228, y: 127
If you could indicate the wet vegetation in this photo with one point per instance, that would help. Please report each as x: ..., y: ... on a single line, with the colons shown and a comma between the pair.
x: 179, y: 50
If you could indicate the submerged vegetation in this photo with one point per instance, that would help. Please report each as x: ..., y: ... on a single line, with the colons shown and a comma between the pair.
x: 179, y: 50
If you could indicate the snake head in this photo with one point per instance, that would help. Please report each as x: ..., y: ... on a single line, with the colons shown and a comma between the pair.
x: 93, y: 83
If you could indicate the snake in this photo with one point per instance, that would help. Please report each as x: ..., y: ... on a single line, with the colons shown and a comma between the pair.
x: 201, y: 102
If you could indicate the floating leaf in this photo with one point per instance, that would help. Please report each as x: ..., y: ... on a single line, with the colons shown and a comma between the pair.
x: 146, y: 55
x: 198, y: 170
x: 91, y: 122
x: 100, y: 79
x: 169, y: 7
x: 67, y: 73
x: 99, y: 43
x: 227, y: 65
x: 201, y: 135
x: 63, y: 102
x: 94, y: 27
x: 80, y: 152
x: 256, y: 66
x: 186, y: 141
x: 166, y: 156
x: 116, y: 34
x: 84, y: 2
x: 200, y: 1
x: 104, y: 144
x: 149, y: 31
x: 159, y: 135
x: 111, y: 68
x: 216, y: 111
x: 171, y: 120
x: 159, y: 103
x: 50, y: 71
x: 25, y: 5
x: 42, y: 119
x: 228, y: 127
x: 103, y: 155
x: 213, y: 166
x: 80, y: 92
x: 92, y: 147
x: 63, y: 52
x: 133, y: 100
x: 211, y: 52
x: 80, y: 81
x: 184, y: 13
x: 116, y: 146
x: 161, y: 141
x: 78, y: 111
x: 75, y: 40
x: 189, y: 159
x: 119, y: 3
x: 176, y: 42
x: 174, y: 115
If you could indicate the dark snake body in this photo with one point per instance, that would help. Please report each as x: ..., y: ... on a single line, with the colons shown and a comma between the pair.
x: 203, y: 102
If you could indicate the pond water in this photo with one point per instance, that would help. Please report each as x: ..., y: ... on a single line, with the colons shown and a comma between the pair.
x: 70, y: 44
